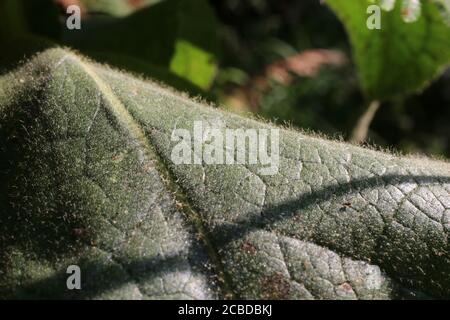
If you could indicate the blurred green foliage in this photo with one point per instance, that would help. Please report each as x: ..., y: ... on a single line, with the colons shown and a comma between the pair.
x: 172, y: 41
x: 177, y: 34
x: 319, y: 103
x: 257, y: 33
x: 116, y: 8
x: 400, y: 57
x: 213, y: 48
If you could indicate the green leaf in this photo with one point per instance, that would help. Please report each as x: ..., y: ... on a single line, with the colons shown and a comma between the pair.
x: 193, y: 63
x: 196, y: 47
x: 87, y: 179
x: 444, y: 7
x: 401, y: 57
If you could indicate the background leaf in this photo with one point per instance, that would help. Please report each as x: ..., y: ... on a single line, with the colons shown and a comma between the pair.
x: 148, y: 34
x: 177, y: 34
x: 197, y: 45
x: 401, y: 57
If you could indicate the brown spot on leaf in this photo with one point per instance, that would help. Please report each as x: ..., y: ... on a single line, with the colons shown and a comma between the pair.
x: 79, y: 232
x: 148, y: 166
x: 179, y: 205
x: 116, y: 157
x: 136, y: 3
x: 345, y: 205
x: 248, y: 248
x: 346, y: 286
x: 275, y: 287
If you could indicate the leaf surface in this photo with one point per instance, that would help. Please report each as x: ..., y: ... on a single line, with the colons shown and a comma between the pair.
x: 88, y: 180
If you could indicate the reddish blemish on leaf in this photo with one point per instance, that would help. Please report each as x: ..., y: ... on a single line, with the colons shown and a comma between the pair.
x: 136, y: 3
x: 275, y: 287
x: 346, y: 286
x: 249, y: 248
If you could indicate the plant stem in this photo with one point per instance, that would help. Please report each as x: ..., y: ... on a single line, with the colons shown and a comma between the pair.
x: 359, y: 133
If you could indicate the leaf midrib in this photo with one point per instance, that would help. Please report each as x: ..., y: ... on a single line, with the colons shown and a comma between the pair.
x: 128, y: 122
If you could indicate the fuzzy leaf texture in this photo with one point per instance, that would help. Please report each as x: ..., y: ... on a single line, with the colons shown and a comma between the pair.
x: 87, y: 179
x: 401, y: 57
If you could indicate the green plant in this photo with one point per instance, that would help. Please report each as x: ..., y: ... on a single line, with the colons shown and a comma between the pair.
x: 401, y: 57
x: 88, y: 180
